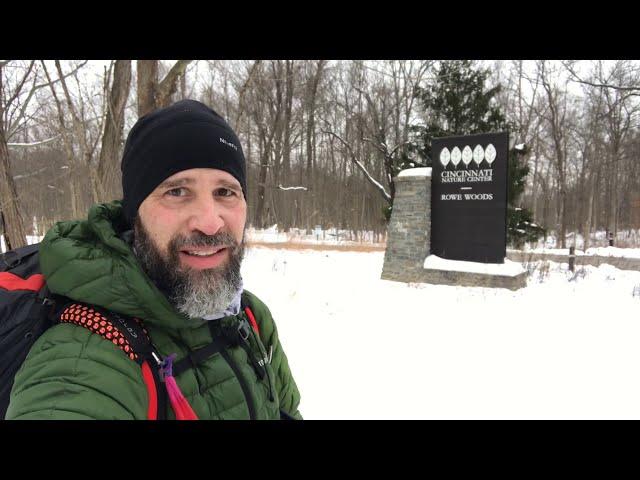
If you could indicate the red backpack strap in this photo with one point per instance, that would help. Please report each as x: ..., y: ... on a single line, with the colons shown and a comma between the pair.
x: 10, y: 281
x: 252, y: 319
x: 244, y: 306
x: 130, y: 336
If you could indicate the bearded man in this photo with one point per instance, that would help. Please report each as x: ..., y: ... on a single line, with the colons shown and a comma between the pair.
x: 168, y: 256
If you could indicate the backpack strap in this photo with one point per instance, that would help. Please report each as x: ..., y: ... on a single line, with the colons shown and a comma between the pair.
x: 13, y: 258
x: 246, y: 308
x: 130, y: 336
x: 244, y: 305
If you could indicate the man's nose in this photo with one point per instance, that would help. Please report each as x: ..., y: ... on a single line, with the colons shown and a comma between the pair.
x: 206, y: 217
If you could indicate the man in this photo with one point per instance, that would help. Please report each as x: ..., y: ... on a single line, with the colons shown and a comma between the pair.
x: 169, y: 254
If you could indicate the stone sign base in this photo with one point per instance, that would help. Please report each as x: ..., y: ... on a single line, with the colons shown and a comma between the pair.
x: 441, y: 276
x: 474, y: 279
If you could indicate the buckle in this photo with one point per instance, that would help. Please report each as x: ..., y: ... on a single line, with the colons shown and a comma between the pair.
x: 243, y: 330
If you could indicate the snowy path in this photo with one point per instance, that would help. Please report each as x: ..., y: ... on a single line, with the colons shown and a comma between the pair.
x: 361, y: 347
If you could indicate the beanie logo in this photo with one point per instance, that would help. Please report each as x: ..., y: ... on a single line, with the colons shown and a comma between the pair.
x: 228, y: 144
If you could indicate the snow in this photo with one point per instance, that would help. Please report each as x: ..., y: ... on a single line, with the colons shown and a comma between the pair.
x: 624, y: 238
x: 507, y: 269
x: 318, y: 235
x: 593, y: 251
x: 564, y: 347
x: 416, y: 172
x: 520, y: 146
x: 31, y: 239
x: 614, y: 252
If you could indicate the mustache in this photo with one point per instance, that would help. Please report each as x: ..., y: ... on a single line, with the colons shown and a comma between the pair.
x: 199, y: 239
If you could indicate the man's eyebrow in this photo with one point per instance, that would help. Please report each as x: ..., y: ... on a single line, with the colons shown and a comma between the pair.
x: 230, y: 185
x: 176, y: 183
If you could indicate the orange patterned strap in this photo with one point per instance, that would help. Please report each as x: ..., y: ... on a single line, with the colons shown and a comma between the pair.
x: 95, y: 319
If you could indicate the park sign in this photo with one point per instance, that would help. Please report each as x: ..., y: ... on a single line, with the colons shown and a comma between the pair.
x: 469, y: 197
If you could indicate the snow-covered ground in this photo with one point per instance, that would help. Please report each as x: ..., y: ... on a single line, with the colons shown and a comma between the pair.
x: 624, y: 238
x: 317, y: 235
x: 597, y: 251
x: 361, y: 347
x: 565, y: 347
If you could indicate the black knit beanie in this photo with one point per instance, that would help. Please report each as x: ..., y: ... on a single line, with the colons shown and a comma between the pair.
x: 185, y: 135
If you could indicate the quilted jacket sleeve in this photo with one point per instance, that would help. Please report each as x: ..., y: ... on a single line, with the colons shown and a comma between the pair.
x: 70, y: 373
x: 288, y: 393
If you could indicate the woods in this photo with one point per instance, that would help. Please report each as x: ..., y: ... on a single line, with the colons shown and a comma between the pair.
x: 324, y: 139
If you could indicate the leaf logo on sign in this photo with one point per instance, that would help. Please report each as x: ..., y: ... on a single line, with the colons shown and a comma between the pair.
x: 467, y: 155
x: 490, y: 153
x: 478, y: 154
x: 456, y: 156
x: 445, y: 157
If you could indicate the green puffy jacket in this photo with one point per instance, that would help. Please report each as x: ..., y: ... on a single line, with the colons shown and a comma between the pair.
x: 71, y: 373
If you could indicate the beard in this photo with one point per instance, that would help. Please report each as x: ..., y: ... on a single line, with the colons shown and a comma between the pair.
x: 194, y: 293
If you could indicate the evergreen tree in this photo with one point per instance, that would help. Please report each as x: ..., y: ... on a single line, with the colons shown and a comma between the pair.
x: 458, y: 104
x: 520, y: 225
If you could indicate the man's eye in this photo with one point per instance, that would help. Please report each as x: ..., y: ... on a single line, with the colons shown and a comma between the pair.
x: 225, y: 192
x: 176, y: 192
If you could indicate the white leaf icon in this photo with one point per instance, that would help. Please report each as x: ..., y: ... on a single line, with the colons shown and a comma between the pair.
x: 445, y: 156
x: 478, y: 154
x: 455, y: 156
x: 490, y: 153
x: 467, y: 155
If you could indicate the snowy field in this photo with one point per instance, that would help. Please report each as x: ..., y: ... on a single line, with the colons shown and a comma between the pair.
x: 597, y: 251
x: 624, y: 238
x: 566, y: 347
x: 316, y: 236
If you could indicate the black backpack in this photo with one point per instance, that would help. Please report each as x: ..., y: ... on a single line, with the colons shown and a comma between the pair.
x: 25, y: 313
x: 27, y: 309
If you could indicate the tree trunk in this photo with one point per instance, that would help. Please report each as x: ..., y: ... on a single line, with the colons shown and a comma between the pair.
x: 259, y: 221
x: 14, y: 231
x: 107, y: 169
x: 153, y: 94
x: 147, y: 86
x: 586, y: 231
x: 286, y: 154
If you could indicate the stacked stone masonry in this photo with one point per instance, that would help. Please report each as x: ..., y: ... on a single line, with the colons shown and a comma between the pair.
x: 408, y: 242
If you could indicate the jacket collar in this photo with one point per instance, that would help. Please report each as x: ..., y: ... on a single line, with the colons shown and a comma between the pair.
x: 89, y: 261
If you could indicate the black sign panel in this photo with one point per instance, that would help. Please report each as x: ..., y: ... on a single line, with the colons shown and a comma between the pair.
x: 469, y: 197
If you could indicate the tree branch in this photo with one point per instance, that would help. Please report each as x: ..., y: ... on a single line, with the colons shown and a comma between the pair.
x: 576, y: 78
x: 168, y: 85
x: 371, y: 180
x: 14, y: 125
x: 243, y: 89
x: 18, y: 89
x: 280, y: 187
x: 34, y: 144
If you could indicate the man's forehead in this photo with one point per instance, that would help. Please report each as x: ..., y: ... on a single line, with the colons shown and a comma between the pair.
x: 200, y: 175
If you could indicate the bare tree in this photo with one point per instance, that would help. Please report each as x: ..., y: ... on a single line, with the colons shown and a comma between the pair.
x: 13, y: 223
x: 620, y: 112
x: 557, y: 121
x: 154, y: 94
x: 110, y: 151
x: 77, y: 140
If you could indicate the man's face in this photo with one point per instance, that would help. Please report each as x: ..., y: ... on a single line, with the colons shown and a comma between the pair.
x: 189, y: 239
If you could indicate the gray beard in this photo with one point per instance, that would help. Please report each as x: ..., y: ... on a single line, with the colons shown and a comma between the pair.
x: 194, y: 293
